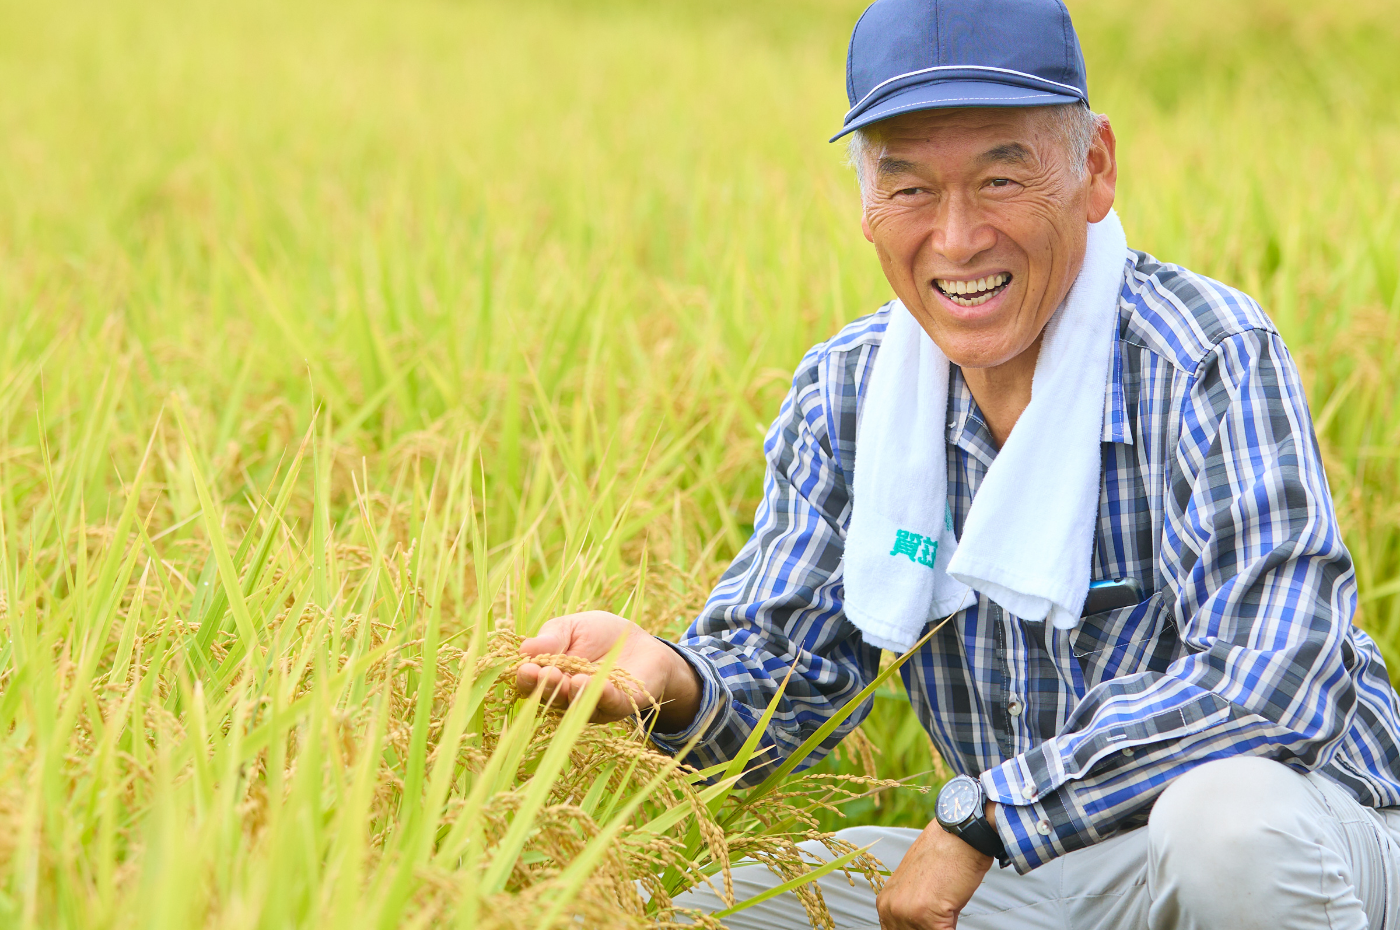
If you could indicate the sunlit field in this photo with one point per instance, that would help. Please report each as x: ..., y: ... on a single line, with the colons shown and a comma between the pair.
x: 344, y: 343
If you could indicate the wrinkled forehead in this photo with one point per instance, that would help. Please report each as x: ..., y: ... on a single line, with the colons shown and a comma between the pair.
x: 966, y: 138
x: 1019, y: 124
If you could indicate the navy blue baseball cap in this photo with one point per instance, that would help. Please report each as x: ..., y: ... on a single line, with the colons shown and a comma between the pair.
x: 909, y: 55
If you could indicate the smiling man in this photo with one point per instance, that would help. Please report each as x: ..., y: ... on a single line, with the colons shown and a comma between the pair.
x: 983, y: 279
x: 1082, y: 484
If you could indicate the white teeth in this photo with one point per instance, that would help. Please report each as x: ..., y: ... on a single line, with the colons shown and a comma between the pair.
x: 954, y: 289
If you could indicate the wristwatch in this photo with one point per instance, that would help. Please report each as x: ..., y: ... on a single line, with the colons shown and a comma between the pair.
x: 961, y: 809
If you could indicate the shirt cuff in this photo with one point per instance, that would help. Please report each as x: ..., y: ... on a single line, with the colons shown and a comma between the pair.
x: 1034, y: 827
x: 711, y: 687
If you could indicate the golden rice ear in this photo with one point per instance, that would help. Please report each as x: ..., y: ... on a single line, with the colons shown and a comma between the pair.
x: 630, y: 686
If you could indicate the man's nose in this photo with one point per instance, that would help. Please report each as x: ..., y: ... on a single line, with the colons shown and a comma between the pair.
x: 961, y: 232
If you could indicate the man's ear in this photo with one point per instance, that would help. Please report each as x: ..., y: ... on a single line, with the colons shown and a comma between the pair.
x: 1103, y: 171
x: 865, y: 227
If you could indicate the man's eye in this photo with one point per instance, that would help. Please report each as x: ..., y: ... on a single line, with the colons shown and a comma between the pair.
x: 1000, y: 182
x: 908, y: 191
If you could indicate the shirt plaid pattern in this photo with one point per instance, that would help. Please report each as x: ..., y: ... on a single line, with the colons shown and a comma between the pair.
x: 1214, y: 499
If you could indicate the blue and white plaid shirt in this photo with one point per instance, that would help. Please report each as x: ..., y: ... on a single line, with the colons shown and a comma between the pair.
x: 1214, y: 499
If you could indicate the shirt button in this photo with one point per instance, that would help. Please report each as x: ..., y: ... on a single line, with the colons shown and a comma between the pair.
x: 1028, y: 792
x: 1128, y: 751
x: 1042, y: 827
x: 1013, y: 707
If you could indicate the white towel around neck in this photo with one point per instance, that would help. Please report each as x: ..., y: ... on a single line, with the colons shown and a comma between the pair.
x: 1028, y: 539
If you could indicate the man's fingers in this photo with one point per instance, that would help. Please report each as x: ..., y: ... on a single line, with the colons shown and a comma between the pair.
x: 547, y: 640
x: 556, y: 686
x: 560, y: 690
x: 531, y: 676
x: 526, y: 677
x: 613, y: 702
x: 551, y: 682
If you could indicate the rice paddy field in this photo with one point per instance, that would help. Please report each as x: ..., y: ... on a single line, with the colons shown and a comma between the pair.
x: 341, y: 344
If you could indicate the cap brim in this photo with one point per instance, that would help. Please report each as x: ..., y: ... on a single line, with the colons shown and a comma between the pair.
x: 947, y: 95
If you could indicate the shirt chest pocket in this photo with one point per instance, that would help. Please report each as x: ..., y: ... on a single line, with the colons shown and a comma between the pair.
x: 1125, y: 641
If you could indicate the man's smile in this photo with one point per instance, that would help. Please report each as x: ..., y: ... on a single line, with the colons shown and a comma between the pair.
x: 973, y: 293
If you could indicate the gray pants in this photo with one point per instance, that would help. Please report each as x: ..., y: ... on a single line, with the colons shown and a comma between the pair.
x: 1236, y: 843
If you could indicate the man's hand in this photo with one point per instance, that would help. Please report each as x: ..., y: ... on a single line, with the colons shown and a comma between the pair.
x: 668, y: 679
x: 933, y: 883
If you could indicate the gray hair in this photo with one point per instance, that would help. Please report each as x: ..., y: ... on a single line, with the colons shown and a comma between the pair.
x: 1074, y: 123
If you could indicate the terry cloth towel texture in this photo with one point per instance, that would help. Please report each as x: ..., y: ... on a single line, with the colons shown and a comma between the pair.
x: 1028, y: 539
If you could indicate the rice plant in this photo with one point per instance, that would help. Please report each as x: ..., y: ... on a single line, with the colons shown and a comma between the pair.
x: 345, y: 344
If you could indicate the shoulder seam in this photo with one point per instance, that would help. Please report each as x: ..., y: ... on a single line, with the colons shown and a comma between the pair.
x: 1206, y: 342
x: 1223, y: 337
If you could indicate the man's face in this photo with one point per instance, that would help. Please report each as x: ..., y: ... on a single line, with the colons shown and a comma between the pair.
x: 979, y: 219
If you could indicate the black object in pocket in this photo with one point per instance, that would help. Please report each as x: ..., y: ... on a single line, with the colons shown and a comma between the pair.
x: 1110, y: 594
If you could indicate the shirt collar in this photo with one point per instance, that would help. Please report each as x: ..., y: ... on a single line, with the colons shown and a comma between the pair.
x: 1116, y: 427
x: 966, y: 428
x: 968, y: 431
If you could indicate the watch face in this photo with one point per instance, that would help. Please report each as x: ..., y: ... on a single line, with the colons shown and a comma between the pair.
x: 958, y: 800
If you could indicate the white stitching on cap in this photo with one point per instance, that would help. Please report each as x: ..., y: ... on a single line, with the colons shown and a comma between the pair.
x: 906, y: 74
x: 925, y: 106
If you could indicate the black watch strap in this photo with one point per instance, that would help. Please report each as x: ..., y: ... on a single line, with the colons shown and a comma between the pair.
x: 983, y: 837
